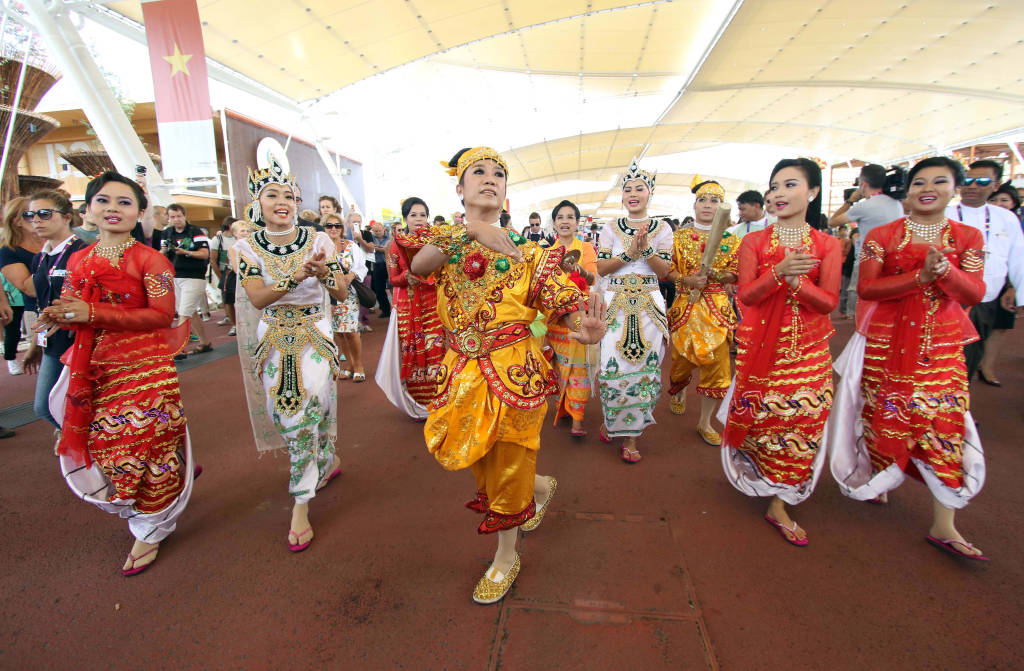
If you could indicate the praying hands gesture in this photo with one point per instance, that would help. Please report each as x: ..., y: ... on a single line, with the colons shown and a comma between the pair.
x: 935, y: 264
x: 640, y: 243
x: 314, y: 266
x: 587, y: 325
x: 795, y: 264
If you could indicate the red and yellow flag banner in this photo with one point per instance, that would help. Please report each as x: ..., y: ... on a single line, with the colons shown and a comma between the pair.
x: 178, y: 61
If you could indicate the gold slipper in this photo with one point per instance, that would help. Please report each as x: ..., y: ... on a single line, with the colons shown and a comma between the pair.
x: 535, y: 521
x: 488, y: 591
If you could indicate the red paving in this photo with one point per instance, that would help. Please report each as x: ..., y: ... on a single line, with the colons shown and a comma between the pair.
x: 661, y: 565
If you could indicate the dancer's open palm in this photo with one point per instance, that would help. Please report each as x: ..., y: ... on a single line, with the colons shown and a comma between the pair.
x: 592, y: 326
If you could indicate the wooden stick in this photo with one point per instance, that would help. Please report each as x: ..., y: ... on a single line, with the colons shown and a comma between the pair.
x: 718, y: 226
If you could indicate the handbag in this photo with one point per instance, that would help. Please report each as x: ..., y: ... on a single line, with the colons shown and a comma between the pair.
x: 364, y: 294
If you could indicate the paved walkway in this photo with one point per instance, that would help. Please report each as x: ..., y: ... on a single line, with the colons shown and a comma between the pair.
x: 661, y: 565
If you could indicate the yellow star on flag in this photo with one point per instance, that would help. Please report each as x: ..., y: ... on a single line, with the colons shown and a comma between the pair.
x: 178, y: 61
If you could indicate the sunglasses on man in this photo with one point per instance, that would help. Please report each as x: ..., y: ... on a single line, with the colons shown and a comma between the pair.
x: 980, y: 181
x: 44, y: 214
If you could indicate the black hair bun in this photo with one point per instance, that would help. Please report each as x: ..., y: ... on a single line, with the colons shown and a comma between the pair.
x: 455, y: 159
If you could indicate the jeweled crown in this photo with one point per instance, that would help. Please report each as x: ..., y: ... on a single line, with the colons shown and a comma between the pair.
x: 635, y: 172
x: 272, y: 174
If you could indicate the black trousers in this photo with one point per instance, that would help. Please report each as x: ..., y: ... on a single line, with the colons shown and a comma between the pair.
x: 983, y: 316
x: 12, y: 334
x: 380, y: 287
x: 668, y: 292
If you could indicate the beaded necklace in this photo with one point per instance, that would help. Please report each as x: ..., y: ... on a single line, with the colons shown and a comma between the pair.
x: 114, y: 253
x: 926, y: 231
x: 790, y: 236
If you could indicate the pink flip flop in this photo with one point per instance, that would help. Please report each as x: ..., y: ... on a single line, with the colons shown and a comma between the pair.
x: 136, y: 570
x: 786, y: 532
x: 948, y: 546
x: 602, y: 435
x: 630, y: 456
x: 295, y: 547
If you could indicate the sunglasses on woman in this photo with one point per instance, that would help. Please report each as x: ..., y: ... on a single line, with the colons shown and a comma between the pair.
x: 981, y: 181
x: 44, y: 214
x: 334, y: 226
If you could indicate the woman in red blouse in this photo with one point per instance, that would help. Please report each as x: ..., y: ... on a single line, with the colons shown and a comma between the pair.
x: 903, y: 404
x: 789, y: 276
x: 124, y: 445
x: 409, y: 377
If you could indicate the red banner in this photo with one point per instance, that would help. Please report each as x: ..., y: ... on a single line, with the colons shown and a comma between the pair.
x: 178, y: 60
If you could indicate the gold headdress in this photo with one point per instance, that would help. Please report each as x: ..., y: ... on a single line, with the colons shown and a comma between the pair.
x: 635, y: 172
x: 706, y: 187
x: 259, y: 180
x: 471, y: 156
x: 820, y: 162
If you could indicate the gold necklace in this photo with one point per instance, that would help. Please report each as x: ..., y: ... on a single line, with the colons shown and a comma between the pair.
x: 115, y: 252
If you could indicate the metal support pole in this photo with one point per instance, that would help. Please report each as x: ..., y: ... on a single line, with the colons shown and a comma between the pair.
x: 332, y: 168
x: 114, y: 131
x: 15, y: 103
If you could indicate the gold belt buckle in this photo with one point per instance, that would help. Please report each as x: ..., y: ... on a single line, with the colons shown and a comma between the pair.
x: 471, y: 342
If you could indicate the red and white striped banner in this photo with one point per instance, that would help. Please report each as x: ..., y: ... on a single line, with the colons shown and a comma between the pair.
x: 183, y: 113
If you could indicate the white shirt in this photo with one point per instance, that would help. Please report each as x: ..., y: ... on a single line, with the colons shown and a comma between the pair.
x: 1004, y: 246
x: 59, y: 248
x: 742, y: 228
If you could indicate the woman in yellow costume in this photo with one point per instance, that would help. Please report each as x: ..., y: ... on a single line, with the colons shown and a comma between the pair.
x: 570, y: 360
x: 701, y: 328
x: 495, y: 382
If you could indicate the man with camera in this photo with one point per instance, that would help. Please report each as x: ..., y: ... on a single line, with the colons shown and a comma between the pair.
x: 870, y: 205
x: 188, y: 248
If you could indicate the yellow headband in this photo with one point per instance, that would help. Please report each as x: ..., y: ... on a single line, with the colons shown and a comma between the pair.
x: 470, y: 157
x: 701, y: 187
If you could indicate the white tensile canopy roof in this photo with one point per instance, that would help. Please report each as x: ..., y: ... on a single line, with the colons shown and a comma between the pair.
x: 572, y: 90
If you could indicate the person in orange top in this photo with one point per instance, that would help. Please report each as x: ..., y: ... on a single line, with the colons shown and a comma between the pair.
x: 570, y: 360
x: 789, y: 276
x: 494, y: 380
x: 903, y: 402
x: 414, y: 345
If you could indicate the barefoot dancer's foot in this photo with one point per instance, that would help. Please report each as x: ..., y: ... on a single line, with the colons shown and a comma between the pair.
x: 139, y: 559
